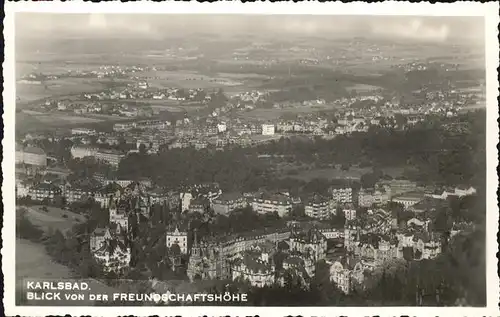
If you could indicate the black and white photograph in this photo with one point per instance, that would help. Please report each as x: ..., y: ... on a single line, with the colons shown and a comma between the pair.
x: 252, y: 160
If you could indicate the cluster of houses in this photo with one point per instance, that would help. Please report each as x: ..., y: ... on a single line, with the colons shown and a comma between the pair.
x: 30, y: 155
x: 110, y: 246
x: 360, y: 247
x: 370, y: 237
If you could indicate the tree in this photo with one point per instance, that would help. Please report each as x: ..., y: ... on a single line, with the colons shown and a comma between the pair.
x: 369, y: 180
x: 298, y: 211
x: 321, y: 285
x: 442, y: 221
x: 317, y: 186
x: 400, y: 120
x: 397, y: 211
x: 26, y: 230
x: 338, y: 219
x: 142, y: 149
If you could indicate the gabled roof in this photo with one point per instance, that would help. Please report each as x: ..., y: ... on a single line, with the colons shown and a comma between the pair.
x: 253, y: 262
x: 34, y: 150
x: 111, y: 246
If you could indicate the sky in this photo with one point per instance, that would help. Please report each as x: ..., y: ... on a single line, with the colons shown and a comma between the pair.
x: 428, y: 29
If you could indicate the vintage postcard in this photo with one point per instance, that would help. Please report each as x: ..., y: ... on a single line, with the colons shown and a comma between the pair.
x: 260, y: 159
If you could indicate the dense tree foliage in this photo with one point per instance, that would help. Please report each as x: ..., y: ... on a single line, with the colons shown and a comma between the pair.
x: 26, y: 230
x: 87, y: 167
x: 458, y: 274
x: 233, y: 170
x: 434, y: 154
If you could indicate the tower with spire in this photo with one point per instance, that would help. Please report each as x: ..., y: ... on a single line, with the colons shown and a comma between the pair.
x: 118, y: 215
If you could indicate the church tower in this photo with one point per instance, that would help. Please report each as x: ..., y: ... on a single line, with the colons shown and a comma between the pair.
x: 195, y: 249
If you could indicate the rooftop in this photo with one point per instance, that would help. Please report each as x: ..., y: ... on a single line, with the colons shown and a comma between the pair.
x: 231, y: 196
x: 254, y: 263
x: 317, y: 199
x: 413, y: 195
x: 429, y: 204
x: 34, y: 150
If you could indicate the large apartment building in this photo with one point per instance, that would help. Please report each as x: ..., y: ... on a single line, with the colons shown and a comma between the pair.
x: 265, y: 203
x: 319, y: 207
x: 342, y: 194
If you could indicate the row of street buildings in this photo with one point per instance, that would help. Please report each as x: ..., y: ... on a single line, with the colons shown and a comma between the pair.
x: 359, y: 247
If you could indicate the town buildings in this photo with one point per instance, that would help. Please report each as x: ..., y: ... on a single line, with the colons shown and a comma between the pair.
x: 457, y: 192
x: 319, y: 207
x: 342, y: 194
x: 372, y: 196
x: 110, y: 251
x: 408, y: 199
x: 424, y: 244
x: 207, y: 261
x: 111, y: 157
x: 268, y: 129
x: 313, y: 243
x: 304, y: 267
x: 265, y: 203
x: 83, y: 151
x: 121, y: 127
x: 398, y: 186
x: 185, y: 200
x: 255, y: 267
x: 44, y: 191
x: 119, y: 215
x: 179, y: 238
x: 377, y: 248
x: 227, y: 202
x: 349, y: 212
x: 369, y: 237
x: 83, y: 131
x: 78, y: 192
x: 199, y: 205
x: 98, y: 237
x: 345, y: 272
x: 30, y: 155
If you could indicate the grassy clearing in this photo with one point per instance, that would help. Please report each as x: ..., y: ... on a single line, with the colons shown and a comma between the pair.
x: 53, y: 219
x: 30, y: 121
x: 362, y: 88
x: 33, y: 262
x: 329, y: 173
x: 186, y: 79
x: 271, y: 114
x: 58, y: 87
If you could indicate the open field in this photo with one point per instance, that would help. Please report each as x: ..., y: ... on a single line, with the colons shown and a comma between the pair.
x: 61, y: 118
x: 394, y: 171
x: 330, y: 173
x: 32, y: 121
x: 362, y: 88
x: 230, y: 82
x: 271, y: 114
x: 58, y: 87
x: 26, y: 122
x: 53, y: 219
x: 185, y: 79
x: 176, y: 108
x: 265, y: 138
x: 165, y: 104
x: 33, y: 262
x: 245, y: 76
x: 354, y: 173
x: 48, y: 67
